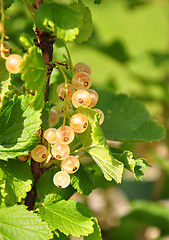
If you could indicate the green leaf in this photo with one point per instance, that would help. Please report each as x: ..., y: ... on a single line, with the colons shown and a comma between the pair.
x: 95, y: 144
x: 126, y: 119
x: 25, y: 38
x: 18, y: 126
x: 15, y: 181
x: 136, y: 166
x: 48, y: 192
x: 69, y: 217
x: 86, y: 28
x: 18, y: 223
x: 83, y: 180
x: 59, y: 236
x: 141, y: 166
x: 45, y: 115
x: 97, y: 232
x: 126, y: 158
x: 60, y: 19
x: 7, y: 3
x: 97, y: 1
x: 4, y: 80
x: 33, y: 71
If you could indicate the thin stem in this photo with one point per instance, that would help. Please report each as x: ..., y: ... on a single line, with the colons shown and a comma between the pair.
x: 78, y: 150
x: 70, y: 60
x: 66, y: 93
x: 2, y: 25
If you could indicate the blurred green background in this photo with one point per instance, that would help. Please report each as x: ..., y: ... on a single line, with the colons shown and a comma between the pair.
x: 128, y: 53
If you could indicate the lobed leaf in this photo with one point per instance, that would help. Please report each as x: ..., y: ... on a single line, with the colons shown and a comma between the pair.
x: 33, y: 71
x: 69, y: 217
x: 85, y: 30
x: 18, y: 126
x: 95, y: 144
x: 97, y: 231
x: 15, y: 181
x: 4, y: 80
x: 141, y: 166
x: 59, y: 19
x: 18, y: 223
x: 126, y: 119
x: 136, y: 166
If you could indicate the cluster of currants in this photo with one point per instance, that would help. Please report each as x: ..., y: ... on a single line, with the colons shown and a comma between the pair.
x: 58, y: 140
x: 13, y: 61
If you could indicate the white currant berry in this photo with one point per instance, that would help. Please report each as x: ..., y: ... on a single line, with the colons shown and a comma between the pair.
x: 61, y: 179
x: 65, y: 134
x: 82, y: 67
x: 71, y: 164
x: 60, y: 151
x: 79, y: 123
x: 61, y: 91
x: 81, y: 98
x: 81, y: 80
x: 5, y: 50
x: 94, y: 97
x: 39, y: 153
x: 53, y: 117
x: 102, y: 115
x: 50, y: 135
x: 13, y: 63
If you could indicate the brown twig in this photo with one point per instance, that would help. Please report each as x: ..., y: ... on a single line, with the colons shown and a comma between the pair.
x: 45, y: 42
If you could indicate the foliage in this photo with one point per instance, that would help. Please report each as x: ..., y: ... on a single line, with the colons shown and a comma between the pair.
x: 44, y: 39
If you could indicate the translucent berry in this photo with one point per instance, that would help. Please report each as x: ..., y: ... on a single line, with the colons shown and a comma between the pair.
x: 61, y: 179
x: 60, y: 151
x: 81, y: 80
x: 13, y: 62
x: 53, y: 117
x: 102, y: 115
x: 5, y: 50
x: 61, y: 91
x: 39, y: 153
x: 65, y: 134
x: 94, y: 97
x: 50, y: 135
x: 24, y: 157
x: 70, y: 164
x: 81, y: 97
x: 79, y: 123
x: 82, y: 67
